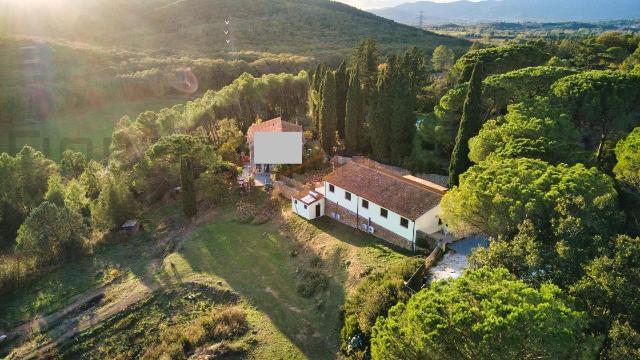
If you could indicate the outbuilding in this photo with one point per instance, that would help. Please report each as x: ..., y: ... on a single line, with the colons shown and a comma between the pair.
x: 131, y: 227
x: 309, y: 204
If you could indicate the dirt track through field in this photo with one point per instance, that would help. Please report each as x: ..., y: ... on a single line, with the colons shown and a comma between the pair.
x: 94, y: 306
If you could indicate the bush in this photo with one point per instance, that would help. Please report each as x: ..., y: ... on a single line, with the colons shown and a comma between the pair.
x: 16, y: 271
x: 114, y: 205
x: 312, y: 282
x: 52, y: 234
x: 245, y: 212
x: 227, y: 324
x: 222, y: 325
x: 373, y: 298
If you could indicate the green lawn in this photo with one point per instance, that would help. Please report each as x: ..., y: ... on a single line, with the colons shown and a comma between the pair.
x: 255, y: 261
x: 88, y: 131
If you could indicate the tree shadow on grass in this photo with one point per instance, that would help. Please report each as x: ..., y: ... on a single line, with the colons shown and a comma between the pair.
x: 256, y: 263
x: 355, y: 237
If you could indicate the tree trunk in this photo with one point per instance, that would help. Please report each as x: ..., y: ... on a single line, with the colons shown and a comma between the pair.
x: 603, y: 140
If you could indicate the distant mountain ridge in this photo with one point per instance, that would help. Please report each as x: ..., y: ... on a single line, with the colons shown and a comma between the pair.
x: 512, y: 11
x: 198, y: 26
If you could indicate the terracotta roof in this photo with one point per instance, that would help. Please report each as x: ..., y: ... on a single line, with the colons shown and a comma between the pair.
x: 403, y: 196
x: 274, y: 125
x: 427, y: 183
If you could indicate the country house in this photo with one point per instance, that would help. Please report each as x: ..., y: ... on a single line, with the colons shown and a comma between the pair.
x: 396, y: 208
x: 276, y: 125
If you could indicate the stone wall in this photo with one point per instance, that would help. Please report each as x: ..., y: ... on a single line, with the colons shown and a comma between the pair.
x: 349, y: 218
x: 345, y: 216
x: 286, y: 192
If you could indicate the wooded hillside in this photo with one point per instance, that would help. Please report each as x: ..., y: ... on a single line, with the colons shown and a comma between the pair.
x: 198, y: 26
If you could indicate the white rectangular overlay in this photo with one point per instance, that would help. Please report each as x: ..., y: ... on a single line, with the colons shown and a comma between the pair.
x: 277, y: 148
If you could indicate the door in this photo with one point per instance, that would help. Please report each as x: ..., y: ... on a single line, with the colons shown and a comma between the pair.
x: 317, y: 210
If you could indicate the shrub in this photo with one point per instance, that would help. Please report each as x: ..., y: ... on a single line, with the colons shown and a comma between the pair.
x: 222, y: 325
x: 114, y: 205
x: 51, y: 233
x: 16, y: 271
x: 312, y: 282
x: 227, y: 324
x: 245, y: 212
x: 373, y: 298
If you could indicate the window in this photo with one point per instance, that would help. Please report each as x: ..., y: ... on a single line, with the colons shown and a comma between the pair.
x: 404, y: 222
x: 384, y: 213
x: 365, y: 204
x: 305, y: 207
x: 295, y: 201
x: 332, y: 188
x: 347, y: 195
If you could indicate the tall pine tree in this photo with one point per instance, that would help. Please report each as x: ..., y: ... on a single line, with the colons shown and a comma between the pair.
x: 354, y: 118
x: 328, y: 116
x: 403, y: 120
x: 364, y: 62
x: 189, y: 205
x: 315, y: 92
x: 342, y: 86
x: 381, y: 113
x: 470, y: 125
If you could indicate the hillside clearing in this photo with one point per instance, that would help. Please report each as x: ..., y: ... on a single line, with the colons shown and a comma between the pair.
x: 264, y: 264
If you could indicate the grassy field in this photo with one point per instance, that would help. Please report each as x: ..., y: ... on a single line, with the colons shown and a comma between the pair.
x: 265, y: 265
x: 88, y: 131
x: 259, y: 263
x: 120, y: 259
x: 256, y: 263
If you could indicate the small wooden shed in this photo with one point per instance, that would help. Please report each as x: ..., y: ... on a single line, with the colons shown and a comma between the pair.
x: 131, y: 227
x: 309, y: 204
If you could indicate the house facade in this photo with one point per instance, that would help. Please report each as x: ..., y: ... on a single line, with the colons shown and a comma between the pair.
x: 271, y: 126
x: 387, y: 205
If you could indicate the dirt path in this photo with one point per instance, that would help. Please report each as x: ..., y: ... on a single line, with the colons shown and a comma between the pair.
x: 96, y: 305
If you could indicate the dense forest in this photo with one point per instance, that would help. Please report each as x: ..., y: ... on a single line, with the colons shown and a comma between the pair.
x: 39, y: 78
x: 316, y: 27
x: 543, y: 152
x: 539, y: 138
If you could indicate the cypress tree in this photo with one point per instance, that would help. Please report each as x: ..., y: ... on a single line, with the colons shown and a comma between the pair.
x: 354, y: 118
x: 342, y: 86
x: 403, y: 119
x: 470, y: 125
x: 327, y: 125
x: 317, y: 77
x: 315, y: 93
x: 380, y: 117
x: 189, y: 206
x: 365, y: 61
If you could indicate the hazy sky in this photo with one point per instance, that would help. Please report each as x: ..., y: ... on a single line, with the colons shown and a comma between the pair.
x: 372, y: 4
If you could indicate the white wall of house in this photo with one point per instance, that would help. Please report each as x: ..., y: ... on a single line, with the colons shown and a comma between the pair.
x: 429, y: 222
x: 307, y: 211
x: 391, y: 222
x: 338, y: 196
